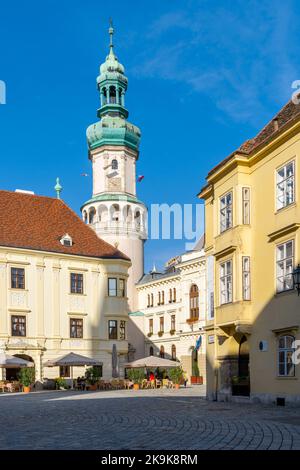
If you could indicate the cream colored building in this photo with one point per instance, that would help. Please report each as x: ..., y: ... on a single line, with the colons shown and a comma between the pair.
x: 171, y: 315
x: 252, y: 220
x: 62, y: 288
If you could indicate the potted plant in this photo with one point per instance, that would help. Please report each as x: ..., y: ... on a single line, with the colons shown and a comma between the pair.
x: 136, y: 376
x: 172, y: 332
x: 176, y: 375
x: 61, y: 383
x: 160, y: 333
x: 26, y: 378
x: 92, y: 375
x: 196, y: 378
x: 149, y: 334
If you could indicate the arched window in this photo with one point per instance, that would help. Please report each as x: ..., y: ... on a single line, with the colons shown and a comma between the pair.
x: 159, y: 298
x: 163, y: 297
x: 85, y: 217
x: 112, y: 94
x: 148, y: 305
x: 151, y: 352
x: 114, y: 164
x: 92, y: 214
x: 174, y: 294
x: 194, y: 302
x: 137, y: 220
x: 170, y: 296
x: 104, y: 94
x: 285, y: 351
x: 162, y: 352
x: 173, y: 352
x: 115, y: 213
x: 152, y: 300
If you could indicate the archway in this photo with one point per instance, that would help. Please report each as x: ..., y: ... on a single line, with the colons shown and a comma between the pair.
x: 241, y: 384
x: 13, y: 373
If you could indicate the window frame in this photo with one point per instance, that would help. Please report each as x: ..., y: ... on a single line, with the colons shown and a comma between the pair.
x: 122, y: 330
x: 115, y: 289
x: 150, y: 326
x: 73, y: 319
x: 194, y: 302
x: 76, y: 283
x: 18, y: 286
x: 284, y: 181
x: 115, y: 329
x: 24, y: 323
x: 244, y: 201
x: 162, y: 324
x: 229, y: 298
x: 284, y: 260
x: 122, y: 291
x: 285, y: 351
x: 244, y: 275
x: 223, y: 216
x: 173, y: 322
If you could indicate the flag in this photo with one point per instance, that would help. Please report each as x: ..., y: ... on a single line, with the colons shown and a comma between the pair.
x: 140, y: 178
x: 198, y: 343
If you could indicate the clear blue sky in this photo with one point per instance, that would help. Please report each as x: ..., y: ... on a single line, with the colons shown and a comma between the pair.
x: 203, y: 77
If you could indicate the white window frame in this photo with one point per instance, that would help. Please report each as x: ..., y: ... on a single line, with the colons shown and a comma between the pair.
x: 286, y: 351
x: 246, y: 278
x: 284, y: 267
x: 282, y: 186
x: 246, y: 202
x: 226, y: 212
x: 226, y: 282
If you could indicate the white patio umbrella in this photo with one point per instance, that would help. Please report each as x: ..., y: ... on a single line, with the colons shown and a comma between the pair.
x: 152, y: 362
x: 72, y: 360
x: 13, y: 362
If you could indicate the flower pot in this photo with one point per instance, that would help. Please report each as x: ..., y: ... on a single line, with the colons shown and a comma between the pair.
x: 136, y: 386
x: 177, y: 386
x: 196, y: 380
x: 93, y: 387
x: 26, y: 389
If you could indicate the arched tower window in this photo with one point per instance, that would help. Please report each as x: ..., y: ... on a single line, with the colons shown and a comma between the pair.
x: 115, y: 212
x: 104, y: 96
x: 114, y: 164
x: 112, y: 95
x: 85, y: 217
x: 92, y: 214
x: 194, y: 302
x: 151, y: 352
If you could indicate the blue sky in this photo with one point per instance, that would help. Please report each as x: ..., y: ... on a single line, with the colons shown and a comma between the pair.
x: 203, y: 77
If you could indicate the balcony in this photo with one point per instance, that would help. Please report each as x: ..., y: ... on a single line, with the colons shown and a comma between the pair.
x: 192, y: 320
x: 236, y: 315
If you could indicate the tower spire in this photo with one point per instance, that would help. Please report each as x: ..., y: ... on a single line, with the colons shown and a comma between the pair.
x: 58, y: 188
x: 111, y: 34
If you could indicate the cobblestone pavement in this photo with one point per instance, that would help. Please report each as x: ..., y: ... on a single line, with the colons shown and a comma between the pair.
x: 145, y: 419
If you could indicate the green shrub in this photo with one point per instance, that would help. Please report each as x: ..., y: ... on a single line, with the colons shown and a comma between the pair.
x: 60, y: 382
x: 92, y: 375
x: 176, y: 374
x: 26, y: 376
x: 136, y: 375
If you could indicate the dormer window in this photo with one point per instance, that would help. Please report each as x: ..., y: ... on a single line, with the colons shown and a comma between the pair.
x: 66, y: 240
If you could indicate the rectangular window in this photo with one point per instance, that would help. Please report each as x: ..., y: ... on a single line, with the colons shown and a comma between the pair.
x: 76, y: 328
x: 212, y: 306
x: 152, y: 300
x: 123, y: 329
x: 151, y: 326
x: 173, y: 322
x: 122, y: 287
x: 17, y: 278
x: 226, y: 212
x: 284, y: 266
x: 161, y: 324
x: 246, y: 278
x: 163, y: 297
x: 64, y: 371
x: 174, y: 294
x: 112, y: 287
x: 18, y: 325
x: 76, y: 283
x: 226, y: 282
x: 113, y: 329
x: 286, y: 366
x: 285, y: 185
x: 246, y: 206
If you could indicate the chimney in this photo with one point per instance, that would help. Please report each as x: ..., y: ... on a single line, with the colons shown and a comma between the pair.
x: 276, y: 125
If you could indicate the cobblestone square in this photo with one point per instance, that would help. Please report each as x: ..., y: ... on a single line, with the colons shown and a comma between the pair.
x: 146, y: 419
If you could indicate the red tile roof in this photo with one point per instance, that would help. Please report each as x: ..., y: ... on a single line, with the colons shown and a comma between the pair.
x: 39, y: 223
x: 287, y: 115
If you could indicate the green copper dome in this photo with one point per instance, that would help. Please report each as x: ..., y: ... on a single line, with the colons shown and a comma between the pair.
x: 112, y: 129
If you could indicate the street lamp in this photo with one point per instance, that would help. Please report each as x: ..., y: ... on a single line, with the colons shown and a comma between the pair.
x: 296, y: 278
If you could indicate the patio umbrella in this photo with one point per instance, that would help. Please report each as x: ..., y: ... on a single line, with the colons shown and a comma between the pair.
x: 13, y: 362
x: 72, y: 360
x: 114, y: 362
x: 152, y: 362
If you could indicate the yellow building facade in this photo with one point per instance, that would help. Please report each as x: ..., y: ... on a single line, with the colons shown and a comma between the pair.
x: 252, y: 220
